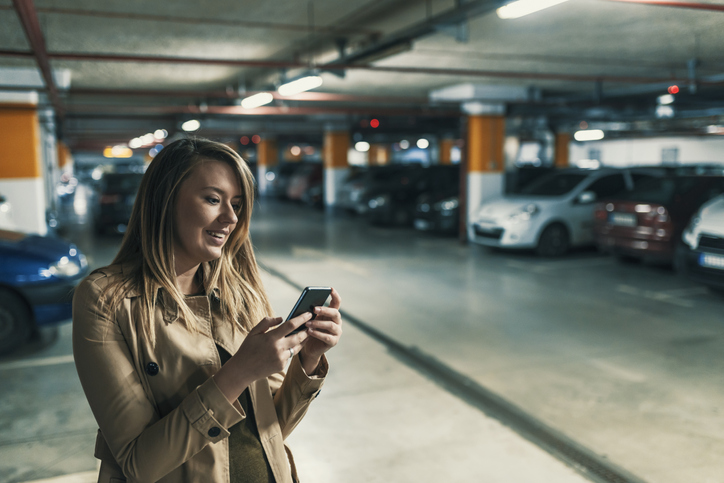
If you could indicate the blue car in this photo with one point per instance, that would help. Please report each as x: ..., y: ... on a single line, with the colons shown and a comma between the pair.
x: 37, y: 277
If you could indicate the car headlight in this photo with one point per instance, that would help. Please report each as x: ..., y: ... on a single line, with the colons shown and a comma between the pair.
x: 64, y: 268
x: 378, y: 201
x: 447, y: 205
x: 691, y: 233
x: 525, y: 213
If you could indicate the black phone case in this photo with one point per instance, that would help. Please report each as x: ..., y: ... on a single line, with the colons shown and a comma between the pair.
x: 311, y: 297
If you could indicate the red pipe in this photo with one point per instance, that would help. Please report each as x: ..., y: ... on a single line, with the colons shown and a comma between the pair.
x: 666, y: 3
x: 29, y: 19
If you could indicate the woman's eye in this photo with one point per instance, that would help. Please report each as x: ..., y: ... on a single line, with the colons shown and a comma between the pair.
x: 236, y: 207
x: 213, y: 201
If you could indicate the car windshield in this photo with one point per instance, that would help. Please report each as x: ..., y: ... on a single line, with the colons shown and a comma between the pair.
x: 554, y: 185
x: 660, y: 191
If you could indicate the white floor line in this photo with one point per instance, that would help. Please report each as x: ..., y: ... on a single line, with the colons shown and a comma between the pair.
x: 45, y: 361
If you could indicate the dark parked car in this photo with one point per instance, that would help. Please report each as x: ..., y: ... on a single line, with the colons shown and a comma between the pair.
x: 306, y: 184
x: 36, y: 282
x: 438, y: 208
x: 391, y: 200
x: 115, y: 201
x: 647, y: 223
x: 279, y: 177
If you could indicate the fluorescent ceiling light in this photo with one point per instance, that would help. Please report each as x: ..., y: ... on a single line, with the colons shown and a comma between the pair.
x: 188, y: 126
x: 588, y: 135
x: 257, y: 100
x: 524, y: 7
x: 300, y: 85
x: 423, y: 143
x: 362, y: 146
x: 666, y: 99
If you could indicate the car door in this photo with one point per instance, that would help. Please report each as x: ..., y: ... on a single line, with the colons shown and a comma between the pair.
x: 582, y: 210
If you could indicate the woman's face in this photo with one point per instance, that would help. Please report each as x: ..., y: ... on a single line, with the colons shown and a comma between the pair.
x: 205, y: 213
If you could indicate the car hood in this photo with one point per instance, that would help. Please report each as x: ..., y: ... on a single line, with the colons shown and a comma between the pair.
x: 508, y: 205
x: 35, y: 246
x: 712, y: 217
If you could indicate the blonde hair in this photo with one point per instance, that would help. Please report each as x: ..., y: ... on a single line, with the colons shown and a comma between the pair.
x: 148, y: 245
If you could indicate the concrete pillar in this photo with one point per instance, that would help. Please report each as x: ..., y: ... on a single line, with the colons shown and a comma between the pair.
x: 336, y: 167
x: 485, y: 158
x: 21, y: 162
x: 267, y: 156
x: 379, y: 155
x: 446, y: 145
x: 561, y: 154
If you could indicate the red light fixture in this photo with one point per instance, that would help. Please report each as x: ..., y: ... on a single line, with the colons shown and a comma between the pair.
x: 256, y: 139
x: 673, y: 89
x: 244, y: 140
x: 374, y: 123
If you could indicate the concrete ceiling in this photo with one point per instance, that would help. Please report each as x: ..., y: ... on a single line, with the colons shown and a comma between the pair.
x: 136, y: 62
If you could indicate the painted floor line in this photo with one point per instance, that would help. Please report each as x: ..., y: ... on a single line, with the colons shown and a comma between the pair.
x: 584, y: 461
x: 45, y: 361
x: 84, y: 477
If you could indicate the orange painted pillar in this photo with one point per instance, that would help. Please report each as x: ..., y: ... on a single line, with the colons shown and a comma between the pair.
x: 561, y: 155
x: 336, y: 166
x: 379, y: 155
x: 21, y: 169
x: 485, y: 160
x: 446, y: 146
x: 267, y: 156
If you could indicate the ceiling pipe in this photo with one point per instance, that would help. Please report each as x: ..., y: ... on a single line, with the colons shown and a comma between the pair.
x: 666, y: 3
x: 29, y: 20
x: 373, y: 68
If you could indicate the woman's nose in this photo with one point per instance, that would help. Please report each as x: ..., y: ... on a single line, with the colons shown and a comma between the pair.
x: 229, y: 215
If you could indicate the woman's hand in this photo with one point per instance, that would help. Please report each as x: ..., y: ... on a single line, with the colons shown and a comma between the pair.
x: 324, y: 333
x: 264, y: 352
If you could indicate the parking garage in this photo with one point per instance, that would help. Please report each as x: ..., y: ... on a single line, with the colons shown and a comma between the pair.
x: 520, y: 203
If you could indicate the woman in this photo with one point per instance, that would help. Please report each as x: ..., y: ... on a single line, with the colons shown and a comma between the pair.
x: 178, y: 356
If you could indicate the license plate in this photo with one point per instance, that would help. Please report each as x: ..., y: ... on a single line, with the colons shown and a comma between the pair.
x: 622, y: 219
x: 709, y: 260
x: 422, y: 224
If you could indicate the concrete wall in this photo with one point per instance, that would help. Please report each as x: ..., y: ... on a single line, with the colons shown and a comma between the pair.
x: 652, y: 151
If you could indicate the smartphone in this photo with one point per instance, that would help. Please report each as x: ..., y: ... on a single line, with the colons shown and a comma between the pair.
x: 311, y: 297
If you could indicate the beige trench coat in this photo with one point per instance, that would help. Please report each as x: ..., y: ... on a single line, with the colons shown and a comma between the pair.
x: 160, y: 413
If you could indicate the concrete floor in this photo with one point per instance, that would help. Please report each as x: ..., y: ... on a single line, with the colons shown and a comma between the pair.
x: 622, y: 359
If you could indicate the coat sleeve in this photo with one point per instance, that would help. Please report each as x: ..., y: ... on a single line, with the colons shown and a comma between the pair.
x: 294, y: 390
x: 146, y: 446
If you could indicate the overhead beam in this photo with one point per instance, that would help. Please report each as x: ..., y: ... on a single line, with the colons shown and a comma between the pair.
x: 665, y: 3
x: 29, y: 19
x: 367, y: 67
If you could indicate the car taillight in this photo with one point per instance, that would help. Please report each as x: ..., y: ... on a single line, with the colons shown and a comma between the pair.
x: 110, y: 199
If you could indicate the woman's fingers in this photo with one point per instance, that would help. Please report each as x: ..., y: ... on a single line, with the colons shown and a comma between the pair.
x: 265, y: 324
x: 328, y: 339
x: 336, y: 301
x: 327, y: 313
x: 325, y: 325
x: 287, y: 327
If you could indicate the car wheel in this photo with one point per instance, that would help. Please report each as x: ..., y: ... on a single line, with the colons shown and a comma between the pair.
x: 554, y: 241
x: 15, y: 321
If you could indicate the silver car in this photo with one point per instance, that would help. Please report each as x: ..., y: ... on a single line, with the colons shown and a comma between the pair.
x: 552, y: 214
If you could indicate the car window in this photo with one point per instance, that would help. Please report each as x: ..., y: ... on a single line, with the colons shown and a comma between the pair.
x: 556, y: 184
x: 608, y: 186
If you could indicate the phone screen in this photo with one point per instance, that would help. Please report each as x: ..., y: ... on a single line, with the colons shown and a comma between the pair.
x: 311, y: 297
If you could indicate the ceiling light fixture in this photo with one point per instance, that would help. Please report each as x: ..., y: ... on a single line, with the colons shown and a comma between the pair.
x: 522, y: 8
x: 588, y: 135
x: 257, y: 100
x: 188, y: 126
x: 298, y: 86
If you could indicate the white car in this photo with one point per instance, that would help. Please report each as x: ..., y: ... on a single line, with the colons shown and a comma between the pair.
x: 553, y: 213
x: 703, y: 256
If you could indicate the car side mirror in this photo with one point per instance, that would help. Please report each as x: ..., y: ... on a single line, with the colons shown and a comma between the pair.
x: 586, y: 198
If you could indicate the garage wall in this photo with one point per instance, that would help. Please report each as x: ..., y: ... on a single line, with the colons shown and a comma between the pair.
x: 652, y: 151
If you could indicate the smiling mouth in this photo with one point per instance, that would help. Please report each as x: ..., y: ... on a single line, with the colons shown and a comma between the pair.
x: 216, y: 234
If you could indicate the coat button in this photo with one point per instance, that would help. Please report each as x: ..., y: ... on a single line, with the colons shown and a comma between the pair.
x: 214, y: 432
x: 151, y: 368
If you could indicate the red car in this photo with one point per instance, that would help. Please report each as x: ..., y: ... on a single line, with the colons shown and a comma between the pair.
x: 647, y: 222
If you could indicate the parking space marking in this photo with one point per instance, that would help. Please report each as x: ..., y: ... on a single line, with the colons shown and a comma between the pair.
x: 672, y: 296
x: 45, y: 361
x: 343, y: 264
